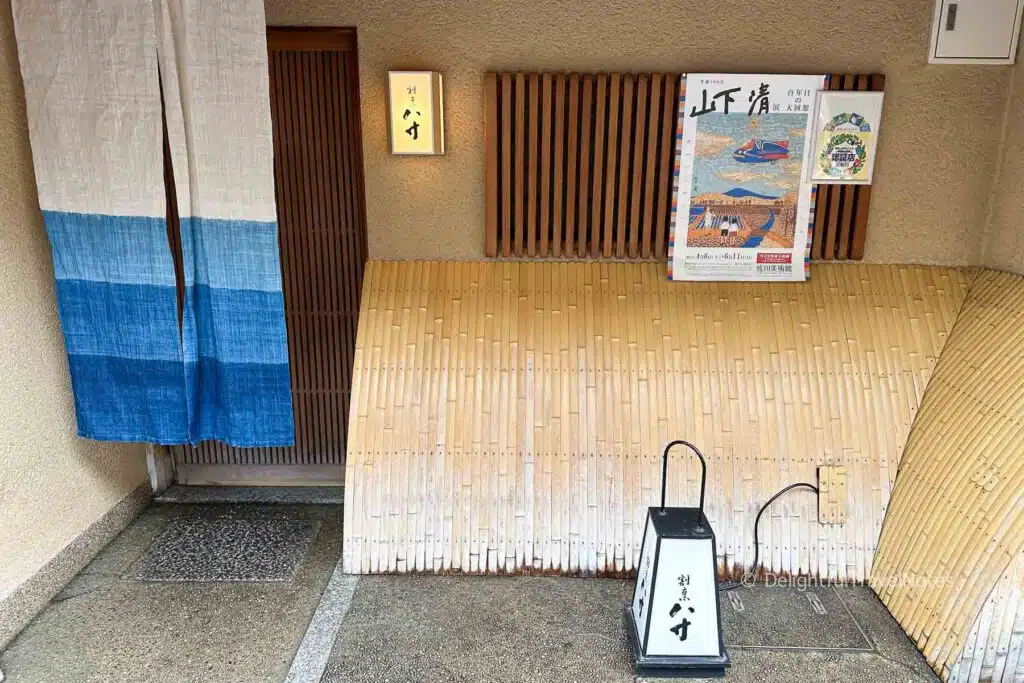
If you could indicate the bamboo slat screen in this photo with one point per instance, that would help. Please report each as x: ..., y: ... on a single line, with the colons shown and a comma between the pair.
x: 322, y: 232
x: 994, y: 648
x: 580, y: 165
x: 509, y: 416
x: 956, y: 520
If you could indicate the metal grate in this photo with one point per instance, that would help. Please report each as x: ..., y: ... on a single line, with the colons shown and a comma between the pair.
x: 580, y: 165
x: 318, y: 175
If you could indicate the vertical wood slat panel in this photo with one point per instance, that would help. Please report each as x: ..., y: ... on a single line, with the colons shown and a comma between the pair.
x: 584, y: 152
x: 493, y: 179
x: 321, y: 220
x: 572, y: 157
x: 611, y: 165
x: 845, y: 222
x: 519, y: 161
x: 603, y: 147
x: 820, y: 207
x: 652, y: 154
x: 506, y: 164
x: 841, y: 214
x: 850, y: 194
x: 545, y: 162
x: 594, y: 228
x: 834, y: 197
x: 532, y: 164
x: 862, y: 201
x: 640, y: 118
x: 586, y: 132
x: 670, y: 99
x: 624, y: 157
x: 557, y: 183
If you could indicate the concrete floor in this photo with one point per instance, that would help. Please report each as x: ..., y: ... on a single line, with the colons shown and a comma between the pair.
x: 112, y: 624
x: 225, y: 593
x: 563, y: 629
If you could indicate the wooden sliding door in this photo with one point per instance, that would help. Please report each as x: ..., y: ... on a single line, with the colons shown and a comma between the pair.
x: 314, y: 92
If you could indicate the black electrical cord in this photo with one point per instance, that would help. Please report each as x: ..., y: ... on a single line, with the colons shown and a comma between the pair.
x: 733, y: 585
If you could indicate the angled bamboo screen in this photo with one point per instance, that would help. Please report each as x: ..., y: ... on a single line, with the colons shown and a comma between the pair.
x: 580, y: 165
x: 509, y: 416
x: 955, y: 523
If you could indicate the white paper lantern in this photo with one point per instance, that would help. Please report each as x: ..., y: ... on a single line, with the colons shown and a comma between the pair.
x: 673, y: 621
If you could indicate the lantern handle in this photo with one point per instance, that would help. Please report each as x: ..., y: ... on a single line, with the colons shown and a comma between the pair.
x: 664, y: 470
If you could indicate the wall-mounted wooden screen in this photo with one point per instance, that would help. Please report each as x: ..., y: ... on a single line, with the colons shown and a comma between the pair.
x: 841, y: 211
x: 580, y: 165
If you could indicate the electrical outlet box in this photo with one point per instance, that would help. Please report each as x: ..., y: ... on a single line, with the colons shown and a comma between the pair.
x: 975, y: 31
x: 831, y: 495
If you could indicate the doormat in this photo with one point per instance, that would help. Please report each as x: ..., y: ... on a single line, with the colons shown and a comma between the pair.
x: 226, y: 546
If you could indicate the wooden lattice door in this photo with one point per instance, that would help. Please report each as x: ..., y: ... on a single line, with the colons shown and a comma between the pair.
x: 314, y: 93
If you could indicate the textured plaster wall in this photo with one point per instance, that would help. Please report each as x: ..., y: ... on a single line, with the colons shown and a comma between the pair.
x: 1004, y: 247
x: 53, y: 485
x: 940, y: 129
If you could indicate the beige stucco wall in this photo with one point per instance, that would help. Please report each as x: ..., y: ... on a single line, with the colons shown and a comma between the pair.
x: 939, y: 134
x: 53, y: 485
x: 1004, y: 245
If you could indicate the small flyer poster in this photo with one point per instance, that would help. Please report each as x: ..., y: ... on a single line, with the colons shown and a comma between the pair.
x: 846, y: 134
x: 742, y: 209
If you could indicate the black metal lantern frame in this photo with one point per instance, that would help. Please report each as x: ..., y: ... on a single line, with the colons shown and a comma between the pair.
x: 674, y: 620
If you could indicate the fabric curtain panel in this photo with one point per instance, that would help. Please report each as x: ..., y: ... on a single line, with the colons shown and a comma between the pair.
x: 93, y: 99
x: 213, y: 59
x: 93, y: 71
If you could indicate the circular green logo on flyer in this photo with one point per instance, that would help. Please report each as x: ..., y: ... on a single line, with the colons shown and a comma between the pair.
x: 843, y: 156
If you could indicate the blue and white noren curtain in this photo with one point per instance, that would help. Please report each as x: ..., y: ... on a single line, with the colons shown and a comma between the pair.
x: 93, y: 100
x: 92, y: 71
x: 218, y: 124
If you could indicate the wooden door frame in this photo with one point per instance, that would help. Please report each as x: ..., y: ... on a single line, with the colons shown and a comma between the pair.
x: 311, y: 39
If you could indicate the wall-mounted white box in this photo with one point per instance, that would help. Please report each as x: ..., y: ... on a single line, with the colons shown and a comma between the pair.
x: 975, y: 31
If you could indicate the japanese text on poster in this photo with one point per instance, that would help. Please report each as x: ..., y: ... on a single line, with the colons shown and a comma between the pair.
x: 742, y: 208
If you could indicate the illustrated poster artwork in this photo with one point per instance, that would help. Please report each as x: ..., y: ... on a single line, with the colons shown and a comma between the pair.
x: 846, y: 135
x: 684, y: 613
x: 742, y: 208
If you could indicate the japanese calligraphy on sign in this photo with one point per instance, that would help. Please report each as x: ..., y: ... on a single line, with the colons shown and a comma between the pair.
x: 742, y: 209
x: 416, y: 112
x: 684, y: 613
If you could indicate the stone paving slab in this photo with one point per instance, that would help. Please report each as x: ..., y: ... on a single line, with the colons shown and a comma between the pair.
x: 146, y: 609
x: 511, y: 629
x: 107, y: 627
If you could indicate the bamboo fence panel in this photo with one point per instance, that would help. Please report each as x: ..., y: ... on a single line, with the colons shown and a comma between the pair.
x: 510, y: 416
x: 993, y: 650
x: 955, y: 523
